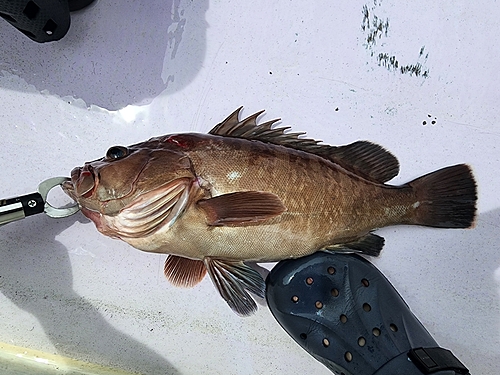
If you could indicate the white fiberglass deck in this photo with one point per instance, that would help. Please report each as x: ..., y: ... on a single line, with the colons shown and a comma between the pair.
x: 130, y: 70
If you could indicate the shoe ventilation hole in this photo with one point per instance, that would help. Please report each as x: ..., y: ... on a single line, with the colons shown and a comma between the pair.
x: 319, y: 305
x: 295, y: 299
x: 361, y: 341
x: 7, y: 17
x: 309, y: 281
x: 50, y: 27
x: 303, y: 336
x: 348, y: 356
x: 367, y: 307
x: 393, y: 327
x: 334, y: 292
x: 31, y: 10
x: 365, y: 283
x: 331, y: 270
x: 343, y: 318
x: 326, y: 342
x: 376, y: 332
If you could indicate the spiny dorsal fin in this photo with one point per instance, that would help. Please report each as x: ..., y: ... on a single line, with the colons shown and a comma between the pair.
x: 363, y: 158
x: 248, y: 129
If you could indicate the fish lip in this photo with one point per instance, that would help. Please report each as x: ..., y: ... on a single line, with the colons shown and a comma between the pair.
x: 69, y: 188
x: 84, y: 181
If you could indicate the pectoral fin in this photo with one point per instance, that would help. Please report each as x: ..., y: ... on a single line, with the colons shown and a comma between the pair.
x: 370, y: 244
x: 183, y: 271
x: 241, y: 208
x: 232, y: 280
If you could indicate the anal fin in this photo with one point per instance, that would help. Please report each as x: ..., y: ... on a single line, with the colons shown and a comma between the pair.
x: 370, y: 244
x: 241, y: 208
x: 232, y: 279
x: 184, y: 272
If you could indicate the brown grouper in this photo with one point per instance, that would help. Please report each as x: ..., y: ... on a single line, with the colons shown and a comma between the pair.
x: 251, y: 192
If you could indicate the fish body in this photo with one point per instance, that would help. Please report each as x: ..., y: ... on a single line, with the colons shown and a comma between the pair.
x: 249, y: 192
x: 321, y: 209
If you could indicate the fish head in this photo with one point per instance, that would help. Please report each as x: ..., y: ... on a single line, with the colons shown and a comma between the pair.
x: 107, y: 185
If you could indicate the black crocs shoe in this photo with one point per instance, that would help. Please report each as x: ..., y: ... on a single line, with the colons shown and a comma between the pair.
x: 347, y: 315
x: 41, y: 20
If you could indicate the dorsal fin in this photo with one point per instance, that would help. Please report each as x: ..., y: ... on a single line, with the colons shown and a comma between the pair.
x: 248, y: 129
x: 363, y: 158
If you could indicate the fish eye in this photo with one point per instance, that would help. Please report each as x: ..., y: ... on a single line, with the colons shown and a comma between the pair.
x: 116, y: 152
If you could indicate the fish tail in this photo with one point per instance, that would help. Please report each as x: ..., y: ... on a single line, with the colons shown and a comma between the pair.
x: 445, y: 198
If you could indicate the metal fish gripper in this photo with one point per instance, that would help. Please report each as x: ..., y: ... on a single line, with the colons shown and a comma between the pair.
x: 17, y: 208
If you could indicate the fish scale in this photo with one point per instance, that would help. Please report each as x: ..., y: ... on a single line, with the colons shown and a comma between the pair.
x: 303, y: 187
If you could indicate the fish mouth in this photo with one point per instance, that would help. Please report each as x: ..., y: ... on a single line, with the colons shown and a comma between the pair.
x: 84, y: 181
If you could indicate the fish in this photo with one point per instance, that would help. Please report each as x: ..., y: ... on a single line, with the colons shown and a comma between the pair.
x: 252, y: 192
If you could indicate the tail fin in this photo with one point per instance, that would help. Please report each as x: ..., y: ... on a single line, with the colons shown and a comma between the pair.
x: 446, y: 198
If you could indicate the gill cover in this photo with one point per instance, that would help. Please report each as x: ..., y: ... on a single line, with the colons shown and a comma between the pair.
x: 153, y: 210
